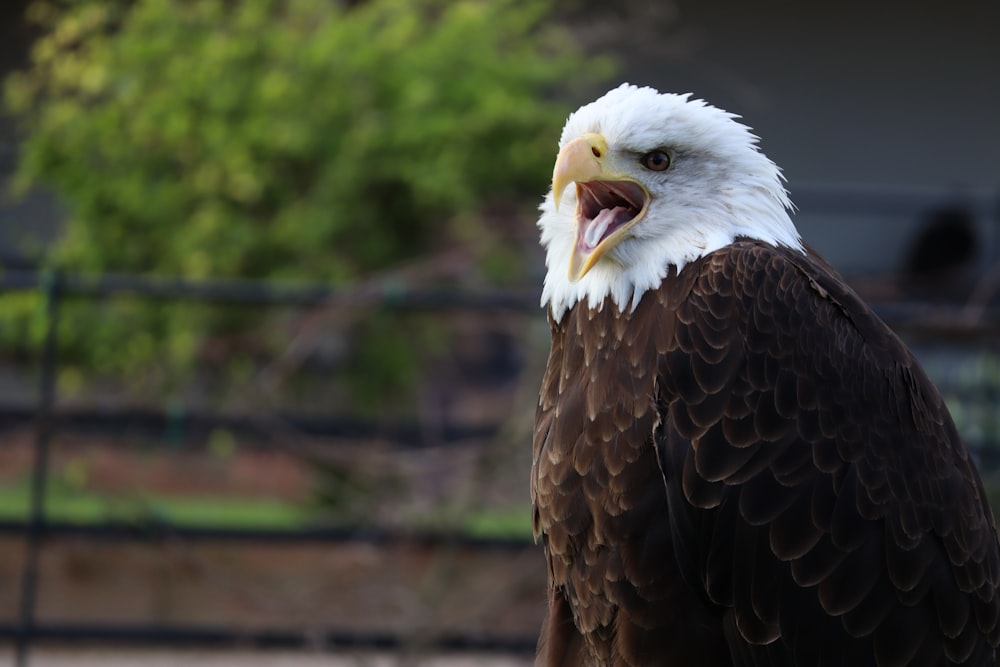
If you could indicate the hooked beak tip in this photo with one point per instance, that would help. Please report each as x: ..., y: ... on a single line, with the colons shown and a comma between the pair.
x: 579, y: 161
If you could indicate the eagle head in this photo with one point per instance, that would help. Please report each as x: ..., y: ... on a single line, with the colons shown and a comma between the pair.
x: 644, y: 182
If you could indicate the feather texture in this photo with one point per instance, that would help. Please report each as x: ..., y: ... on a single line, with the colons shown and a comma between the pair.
x: 749, y: 468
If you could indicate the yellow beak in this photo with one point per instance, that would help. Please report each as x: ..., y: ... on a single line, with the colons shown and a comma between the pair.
x: 582, y: 161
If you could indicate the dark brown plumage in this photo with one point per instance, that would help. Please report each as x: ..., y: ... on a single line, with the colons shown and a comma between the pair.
x: 750, y: 468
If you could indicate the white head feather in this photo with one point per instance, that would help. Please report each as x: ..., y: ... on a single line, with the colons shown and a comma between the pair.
x: 719, y: 187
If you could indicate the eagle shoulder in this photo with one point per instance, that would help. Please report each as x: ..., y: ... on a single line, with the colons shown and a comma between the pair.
x: 817, y: 487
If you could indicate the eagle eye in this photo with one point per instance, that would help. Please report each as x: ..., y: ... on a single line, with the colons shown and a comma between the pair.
x: 655, y: 160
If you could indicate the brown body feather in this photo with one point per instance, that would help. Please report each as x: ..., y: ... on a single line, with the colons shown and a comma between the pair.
x: 749, y: 468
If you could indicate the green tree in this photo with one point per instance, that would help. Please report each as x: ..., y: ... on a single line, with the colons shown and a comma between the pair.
x: 291, y: 139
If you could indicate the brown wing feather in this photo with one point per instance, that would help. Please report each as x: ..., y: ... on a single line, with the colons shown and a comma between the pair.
x: 818, y: 506
x: 599, y: 503
x: 848, y: 524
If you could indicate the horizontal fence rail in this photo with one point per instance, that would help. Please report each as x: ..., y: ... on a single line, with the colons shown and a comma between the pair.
x: 217, y: 637
x: 195, y: 428
x: 151, y: 529
x: 859, y: 199
x: 388, y: 294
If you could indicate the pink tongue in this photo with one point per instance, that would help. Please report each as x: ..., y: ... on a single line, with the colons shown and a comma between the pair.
x: 595, y: 230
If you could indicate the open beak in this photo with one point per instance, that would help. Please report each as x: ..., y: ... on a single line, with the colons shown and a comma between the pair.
x: 608, y: 205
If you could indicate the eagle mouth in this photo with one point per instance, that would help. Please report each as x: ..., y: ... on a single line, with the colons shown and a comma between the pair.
x: 605, y: 207
x: 605, y: 211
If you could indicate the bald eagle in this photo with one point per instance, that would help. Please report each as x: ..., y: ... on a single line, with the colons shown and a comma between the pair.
x: 735, y: 462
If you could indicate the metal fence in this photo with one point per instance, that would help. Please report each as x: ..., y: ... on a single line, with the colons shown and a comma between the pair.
x: 39, y: 528
x: 940, y: 324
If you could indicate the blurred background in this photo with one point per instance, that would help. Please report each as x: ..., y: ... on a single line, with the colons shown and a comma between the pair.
x: 270, y: 340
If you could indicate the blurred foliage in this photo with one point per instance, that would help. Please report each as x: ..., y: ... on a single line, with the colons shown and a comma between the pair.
x: 267, y: 139
x: 972, y: 394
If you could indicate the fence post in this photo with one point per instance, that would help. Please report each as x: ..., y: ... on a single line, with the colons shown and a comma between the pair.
x: 51, y: 284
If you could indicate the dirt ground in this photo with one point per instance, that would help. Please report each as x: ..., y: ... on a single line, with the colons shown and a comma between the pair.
x: 310, y: 588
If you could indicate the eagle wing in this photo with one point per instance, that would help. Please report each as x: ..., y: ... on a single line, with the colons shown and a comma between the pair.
x: 819, y: 493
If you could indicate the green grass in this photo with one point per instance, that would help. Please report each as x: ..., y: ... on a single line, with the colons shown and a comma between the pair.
x: 64, y: 503
x: 511, y: 522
